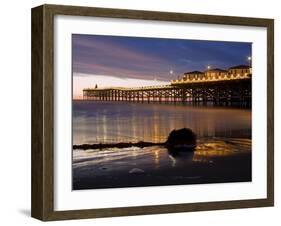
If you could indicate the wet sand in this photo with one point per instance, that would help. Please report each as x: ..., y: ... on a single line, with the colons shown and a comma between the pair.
x: 215, y: 160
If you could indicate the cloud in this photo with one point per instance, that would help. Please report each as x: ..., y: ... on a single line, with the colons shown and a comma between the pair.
x: 106, y: 57
x: 112, y: 49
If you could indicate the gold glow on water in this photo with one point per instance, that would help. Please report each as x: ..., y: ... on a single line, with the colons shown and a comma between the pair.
x: 153, y: 123
x: 220, y: 148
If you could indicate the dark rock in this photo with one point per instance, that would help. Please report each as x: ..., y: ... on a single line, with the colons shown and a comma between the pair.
x: 181, y: 140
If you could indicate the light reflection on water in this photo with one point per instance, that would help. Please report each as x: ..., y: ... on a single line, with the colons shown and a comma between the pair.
x: 156, y: 157
x: 103, y: 122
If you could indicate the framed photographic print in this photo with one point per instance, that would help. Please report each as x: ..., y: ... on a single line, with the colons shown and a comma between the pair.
x: 141, y: 112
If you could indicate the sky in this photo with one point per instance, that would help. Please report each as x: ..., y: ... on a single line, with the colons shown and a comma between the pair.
x: 135, y: 61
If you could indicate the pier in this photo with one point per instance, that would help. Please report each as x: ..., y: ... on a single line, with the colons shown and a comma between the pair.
x: 217, y: 87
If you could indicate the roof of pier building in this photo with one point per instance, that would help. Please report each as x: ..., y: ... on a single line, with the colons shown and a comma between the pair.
x: 242, y: 66
x: 193, y: 72
x: 216, y: 70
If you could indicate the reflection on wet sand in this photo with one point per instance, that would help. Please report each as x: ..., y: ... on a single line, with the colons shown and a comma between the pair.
x: 101, y: 165
x: 158, y: 155
x: 221, y: 148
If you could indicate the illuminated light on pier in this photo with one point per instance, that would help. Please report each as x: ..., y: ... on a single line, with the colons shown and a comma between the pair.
x: 222, y: 87
x: 249, y: 60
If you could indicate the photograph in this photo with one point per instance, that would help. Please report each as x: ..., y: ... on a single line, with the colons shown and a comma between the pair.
x: 140, y: 112
x: 158, y: 111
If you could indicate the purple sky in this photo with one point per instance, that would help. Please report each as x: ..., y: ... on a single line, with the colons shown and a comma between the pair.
x: 154, y: 59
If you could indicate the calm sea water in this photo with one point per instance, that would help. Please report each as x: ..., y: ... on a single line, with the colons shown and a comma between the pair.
x: 102, y: 122
x: 224, y: 142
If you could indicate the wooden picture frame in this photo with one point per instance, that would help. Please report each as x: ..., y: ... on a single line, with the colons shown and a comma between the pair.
x: 43, y: 111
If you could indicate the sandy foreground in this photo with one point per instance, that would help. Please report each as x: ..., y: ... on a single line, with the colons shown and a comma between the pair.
x: 214, y: 161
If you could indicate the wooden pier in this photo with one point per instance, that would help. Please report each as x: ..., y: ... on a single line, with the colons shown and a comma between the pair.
x: 222, y: 92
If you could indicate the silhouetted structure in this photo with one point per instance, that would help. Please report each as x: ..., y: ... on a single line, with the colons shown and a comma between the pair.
x: 219, y: 87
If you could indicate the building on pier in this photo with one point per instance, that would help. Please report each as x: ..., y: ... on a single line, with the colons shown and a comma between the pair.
x: 216, y: 86
x: 240, y: 70
x: 216, y: 74
x: 193, y: 75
